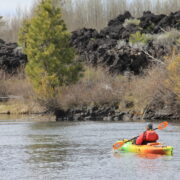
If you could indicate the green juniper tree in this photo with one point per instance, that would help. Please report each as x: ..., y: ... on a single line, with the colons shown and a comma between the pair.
x: 45, y: 40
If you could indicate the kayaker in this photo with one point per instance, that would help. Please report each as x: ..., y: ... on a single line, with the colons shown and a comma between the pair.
x: 148, y: 136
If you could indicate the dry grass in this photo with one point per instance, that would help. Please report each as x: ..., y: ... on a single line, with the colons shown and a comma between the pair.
x: 173, y: 71
x: 152, y: 88
x: 16, y: 85
x: 97, y: 87
x: 143, y: 90
x: 171, y: 38
x: 17, y: 95
x: 21, y: 106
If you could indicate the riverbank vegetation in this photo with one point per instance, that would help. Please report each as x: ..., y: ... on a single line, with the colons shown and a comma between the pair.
x: 56, y: 77
x: 17, y: 95
x: 97, y: 87
x: 134, y: 93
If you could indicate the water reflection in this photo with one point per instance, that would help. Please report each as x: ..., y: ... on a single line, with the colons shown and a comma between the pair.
x: 119, y: 155
x: 46, y: 149
x: 46, y: 152
x: 150, y: 156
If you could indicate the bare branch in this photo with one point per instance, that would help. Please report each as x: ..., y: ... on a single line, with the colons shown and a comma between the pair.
x: 153, y: 58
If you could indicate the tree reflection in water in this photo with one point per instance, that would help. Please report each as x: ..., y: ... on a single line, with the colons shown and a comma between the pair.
x: 48, y: 146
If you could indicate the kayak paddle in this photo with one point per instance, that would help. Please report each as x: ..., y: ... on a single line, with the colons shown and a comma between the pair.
x: 160, y: 127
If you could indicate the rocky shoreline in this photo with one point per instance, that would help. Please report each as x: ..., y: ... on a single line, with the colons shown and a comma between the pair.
x: 112, y: 113
x: 103, y: 113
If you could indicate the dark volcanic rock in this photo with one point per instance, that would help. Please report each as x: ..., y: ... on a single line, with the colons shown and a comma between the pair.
x: 106, y: 113
x: 81, y: 38
x: 120, y: 19
x: 102, y: 48
x: 11, y: 57
x: 150, y: 22
x: 157, y: 111
x: 113, y: 32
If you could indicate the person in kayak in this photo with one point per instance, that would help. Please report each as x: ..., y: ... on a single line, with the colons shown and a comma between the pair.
x: 148, y: 136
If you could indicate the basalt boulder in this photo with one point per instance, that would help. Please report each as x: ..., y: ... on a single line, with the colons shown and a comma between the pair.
x: 120, y: 19
x: 11, y: 57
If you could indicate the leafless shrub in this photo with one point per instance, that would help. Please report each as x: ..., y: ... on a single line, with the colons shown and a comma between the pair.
x: 97, y: 87
x: 90, y: 13
x: 170, y: 38
x: 11, y: 25
x: 143, y: 90
x: 97, y: 13
x: 15, y: 85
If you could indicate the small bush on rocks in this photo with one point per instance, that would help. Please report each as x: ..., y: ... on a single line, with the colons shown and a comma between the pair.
x: 121, y: 43
x: 131, y: 21
x: 170, y: 38
x: 138, y: 45
x: 139, y: 38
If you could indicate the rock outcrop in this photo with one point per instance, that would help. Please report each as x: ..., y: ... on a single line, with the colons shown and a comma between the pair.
x: 103, y: 113
x: 11, y: 57
x: 112, y: 113
x: 111, y: 48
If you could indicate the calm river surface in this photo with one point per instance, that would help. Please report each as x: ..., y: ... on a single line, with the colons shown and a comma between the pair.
x: 82, y: 151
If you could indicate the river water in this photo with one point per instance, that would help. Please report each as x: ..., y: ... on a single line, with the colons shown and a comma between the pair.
x: 81, y: 151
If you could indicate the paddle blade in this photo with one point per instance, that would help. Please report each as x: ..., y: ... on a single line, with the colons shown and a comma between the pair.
x: 163, y: 125
x: 117, y: 145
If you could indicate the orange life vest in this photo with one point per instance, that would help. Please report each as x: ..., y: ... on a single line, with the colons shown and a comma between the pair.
x: 151, y: 136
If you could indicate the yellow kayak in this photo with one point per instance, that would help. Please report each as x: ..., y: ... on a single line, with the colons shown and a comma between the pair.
x: 150, y: 148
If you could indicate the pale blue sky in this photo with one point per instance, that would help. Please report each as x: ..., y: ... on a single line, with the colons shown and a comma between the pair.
x: 9, y: 7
